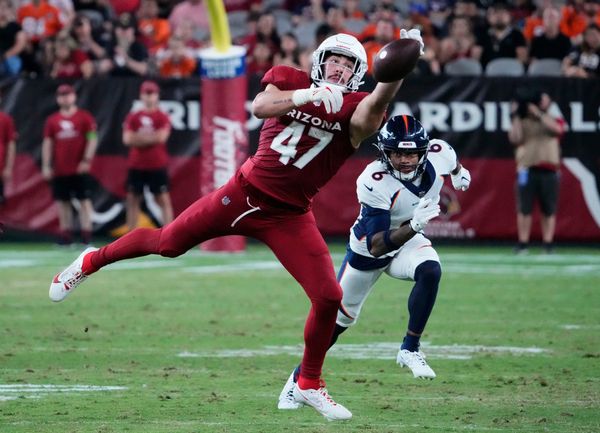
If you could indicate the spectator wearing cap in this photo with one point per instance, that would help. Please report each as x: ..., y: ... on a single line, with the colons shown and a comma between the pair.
x: 177, y: 61
x: 551, y: 44
x: 68, y: 149
x: 154, y: 31
x: 127, y: 56
x: 8, y: 138
x: 584, y: 61
x: 12, y: 41
x: 502, y: 39
x: 195, y: 14
x: 145, y: 133
x: 69, y: 61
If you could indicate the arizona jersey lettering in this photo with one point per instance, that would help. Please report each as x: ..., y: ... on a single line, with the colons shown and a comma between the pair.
x: 387, y: 203
x: 301, y: 150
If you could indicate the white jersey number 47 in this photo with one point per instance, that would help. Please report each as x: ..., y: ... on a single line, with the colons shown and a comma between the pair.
x: 293, y: 132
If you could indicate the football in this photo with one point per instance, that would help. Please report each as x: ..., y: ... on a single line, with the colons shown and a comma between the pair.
x: 396, y: 60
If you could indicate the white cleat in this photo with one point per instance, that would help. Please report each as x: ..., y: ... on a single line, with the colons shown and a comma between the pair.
x: 286, y: 397
x: 416, y: 362
x: 322, y: 402
x: 65, y: 282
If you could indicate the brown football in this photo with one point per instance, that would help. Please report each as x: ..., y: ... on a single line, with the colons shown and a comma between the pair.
x: 395, y: 60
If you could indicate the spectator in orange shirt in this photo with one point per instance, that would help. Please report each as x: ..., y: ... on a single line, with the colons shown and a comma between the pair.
x: 577, y: 16
x: 154, y: 31
x: 39, y: 20
x: 384, y: 33
x: 177, y: 62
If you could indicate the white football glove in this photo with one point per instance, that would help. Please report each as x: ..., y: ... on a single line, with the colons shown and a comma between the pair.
x: 331, y: 97
x: 461, y: 180
x: 424, y: 212
x: 413, y: 34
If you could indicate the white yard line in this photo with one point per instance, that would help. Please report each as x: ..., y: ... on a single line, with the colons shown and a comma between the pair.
x: 387, y: 350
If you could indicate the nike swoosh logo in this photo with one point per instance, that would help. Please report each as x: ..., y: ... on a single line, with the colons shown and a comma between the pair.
x: 370, y: 188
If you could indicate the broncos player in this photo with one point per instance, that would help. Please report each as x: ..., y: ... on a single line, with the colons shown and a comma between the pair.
x: 399, y: 195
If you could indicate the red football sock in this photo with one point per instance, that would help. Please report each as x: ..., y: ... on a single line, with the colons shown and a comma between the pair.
x: 305, y: 383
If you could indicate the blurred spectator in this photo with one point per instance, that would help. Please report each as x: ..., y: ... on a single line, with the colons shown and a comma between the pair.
x: 323, y: 32
x: 552, y: 44
x: 242, y: 5
x: 193, y: 12
x: 307, y: 10
x: 584, y: 61
x: 145, y: 133
x: 534, y: 23
x: 69, y: 61
x: 98, y: 11
x: 535, y: 134
x: 439, y: 12
x: 185, y: 32
x: 154, y: 31
x: 12, y: 41
x: 68, y: 149
x: 383, y: 10
x: 66, y: 9
x: 127, y: 56
x: 352, y: 11
x: 470, y: 9
x: 177, y: 63
x: 266, y: 32
x: 460, y: 42
x: 289, y: 54
x: 577, y: 15
x: 39, y: 20
x: 337, y: 21
x: 384, y: 33
x: 521, y: 9
x: 501, y: 40
x: 260, y: 59
x: 8, y: 137
x: 125, y: 6
x: 86, y: 41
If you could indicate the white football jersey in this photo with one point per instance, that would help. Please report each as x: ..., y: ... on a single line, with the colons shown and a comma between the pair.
x: 378, y: 189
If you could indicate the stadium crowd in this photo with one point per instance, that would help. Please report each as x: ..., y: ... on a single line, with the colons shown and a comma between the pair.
x: 77, y: 39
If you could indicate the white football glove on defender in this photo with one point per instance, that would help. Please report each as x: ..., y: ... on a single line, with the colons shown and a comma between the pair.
x: 413, y: 34
x: 331, y: 96
x: 462, y: 179
x: 424, y: 212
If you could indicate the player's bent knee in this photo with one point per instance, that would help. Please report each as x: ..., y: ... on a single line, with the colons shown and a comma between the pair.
x: 430, y: 271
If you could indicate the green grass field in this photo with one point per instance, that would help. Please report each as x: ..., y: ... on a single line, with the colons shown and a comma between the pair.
x: 204, y: 343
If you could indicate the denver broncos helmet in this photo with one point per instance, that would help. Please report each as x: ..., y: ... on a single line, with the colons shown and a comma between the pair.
x: 403, y: 134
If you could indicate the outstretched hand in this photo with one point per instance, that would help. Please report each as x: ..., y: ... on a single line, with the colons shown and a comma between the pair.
x: 461, y: 180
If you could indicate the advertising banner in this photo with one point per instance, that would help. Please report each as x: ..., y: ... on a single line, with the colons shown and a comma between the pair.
x: 472, y: 114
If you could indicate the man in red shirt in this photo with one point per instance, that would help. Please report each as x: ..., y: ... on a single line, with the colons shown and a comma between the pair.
x: 312, y: 125
x: 146, y: 132
x: 7, y: 150
x: 67, y: 151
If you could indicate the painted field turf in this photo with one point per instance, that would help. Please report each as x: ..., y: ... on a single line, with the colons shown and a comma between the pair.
x: 204, y: 343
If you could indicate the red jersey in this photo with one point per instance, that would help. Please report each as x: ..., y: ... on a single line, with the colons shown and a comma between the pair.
x: 7, y: 134
x: 300, y: 151
x: 147, y: 157
x: 69, y: 135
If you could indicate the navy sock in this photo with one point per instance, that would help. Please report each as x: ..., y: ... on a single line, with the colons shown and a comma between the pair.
x: 411, y: 343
